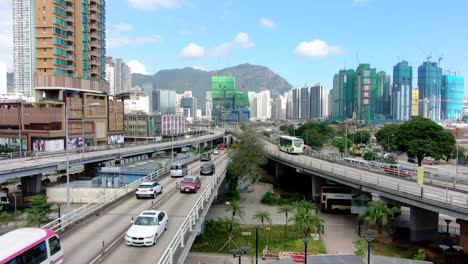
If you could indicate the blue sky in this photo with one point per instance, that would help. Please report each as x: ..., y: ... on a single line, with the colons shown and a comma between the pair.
x: 304, y: 41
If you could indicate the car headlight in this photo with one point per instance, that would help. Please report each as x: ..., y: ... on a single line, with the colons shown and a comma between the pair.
x: 149, y: 237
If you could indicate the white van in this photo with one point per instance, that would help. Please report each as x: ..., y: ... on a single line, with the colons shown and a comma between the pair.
x: 178, y: 170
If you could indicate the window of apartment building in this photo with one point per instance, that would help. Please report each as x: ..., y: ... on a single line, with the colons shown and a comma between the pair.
x: 43, y: 9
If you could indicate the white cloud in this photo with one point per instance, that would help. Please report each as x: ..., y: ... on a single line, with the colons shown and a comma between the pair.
x: 240, y: 41
x: 6, y: 31
x: 122, y: 27
x: 154, y: 4
x: 192, y: 51
x: 267, y: 23
x: 317, y: 48
x: 137, y: 67
x: 118, y: 41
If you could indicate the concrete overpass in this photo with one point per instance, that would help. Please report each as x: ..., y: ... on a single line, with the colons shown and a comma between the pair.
x: 31, y: 168
x: 425, y: 202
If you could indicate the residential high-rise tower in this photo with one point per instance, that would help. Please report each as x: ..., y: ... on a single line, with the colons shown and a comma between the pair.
x: 59, y: 44
x: 402, y: 91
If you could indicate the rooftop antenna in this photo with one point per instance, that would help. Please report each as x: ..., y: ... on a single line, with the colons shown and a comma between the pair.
x: 357, y: 58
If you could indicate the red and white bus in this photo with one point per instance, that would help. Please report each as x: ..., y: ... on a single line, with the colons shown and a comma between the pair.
x: 30, y: 246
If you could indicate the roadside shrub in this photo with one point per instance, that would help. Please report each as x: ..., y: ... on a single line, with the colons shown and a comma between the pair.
x: 270, y: 198
x: 368, y: 156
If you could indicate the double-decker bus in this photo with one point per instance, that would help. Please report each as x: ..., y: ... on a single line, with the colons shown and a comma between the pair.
x: 30, y: 245
x: 291, y: 144
x: 342, y: 199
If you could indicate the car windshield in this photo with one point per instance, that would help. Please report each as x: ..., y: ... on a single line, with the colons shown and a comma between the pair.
x: 189, y: 180
x: 207, y: 166
x: 144, y: 186
x: 146, y: 221
x: 175, y: 167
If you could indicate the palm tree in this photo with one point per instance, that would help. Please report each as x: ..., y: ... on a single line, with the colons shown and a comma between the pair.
x: 307, y: 221
x: 263, y: 216
x: 286, y: 209
x: 236, y: 209
x: 378, y: 213
x: 304, y: 204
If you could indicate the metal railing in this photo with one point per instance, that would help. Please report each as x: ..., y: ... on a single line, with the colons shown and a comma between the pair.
x: 431, y: 175
x: 191, y: 220
x: 434, y: 195
x: 82, y: 212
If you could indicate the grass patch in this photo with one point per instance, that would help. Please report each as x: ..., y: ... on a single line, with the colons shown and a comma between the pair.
x: 392, y: 250
x: 214, y: 238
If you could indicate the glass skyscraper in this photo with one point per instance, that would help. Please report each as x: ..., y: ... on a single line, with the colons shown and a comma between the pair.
x: 164, y: 102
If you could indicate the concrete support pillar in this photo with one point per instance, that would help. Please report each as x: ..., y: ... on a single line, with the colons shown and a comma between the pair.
x: 90, y: 169
x: 463, y: 234
x: 31, y: 185
x: 315, y: 184
x: 423, y: 224
x: 280, y: 169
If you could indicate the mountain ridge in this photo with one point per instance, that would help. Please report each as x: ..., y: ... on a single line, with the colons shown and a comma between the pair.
x: 249, y: 77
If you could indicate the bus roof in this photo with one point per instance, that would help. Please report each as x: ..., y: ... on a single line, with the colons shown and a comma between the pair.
x: 290, y: 138
x: 21, y: 239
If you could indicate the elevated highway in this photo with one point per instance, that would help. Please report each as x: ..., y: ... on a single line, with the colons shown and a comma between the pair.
x: 19, y: 167
x: 100, y: 238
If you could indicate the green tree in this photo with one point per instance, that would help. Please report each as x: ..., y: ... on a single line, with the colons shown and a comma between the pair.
x: 307, y: 221
x: 236, y: 209
x: 38, y: 213
x: 453, y: 155
x: 304, y: 204
x: 264, y: 217
x: 341, y: 143
x: 248, y: 155
x: 315, y: 133
x: 386, y: 136
x: 422, y: 137
x: 286, y: 209
x: 378, y: 213
x: 361, y: 136
x: 369, y: 155
x: 360, y: 245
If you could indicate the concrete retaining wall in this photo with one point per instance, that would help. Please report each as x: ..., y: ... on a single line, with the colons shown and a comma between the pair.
x: 78, y: 195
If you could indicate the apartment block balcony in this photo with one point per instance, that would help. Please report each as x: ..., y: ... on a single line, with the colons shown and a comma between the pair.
x: 70, y: 8
x: 93, y: 8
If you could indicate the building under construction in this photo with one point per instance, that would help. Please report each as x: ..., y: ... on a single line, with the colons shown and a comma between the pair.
x: 361, y: 94
x: 228, y: 105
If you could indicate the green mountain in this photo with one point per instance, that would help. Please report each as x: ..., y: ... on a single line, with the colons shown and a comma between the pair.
x: 248, y: 78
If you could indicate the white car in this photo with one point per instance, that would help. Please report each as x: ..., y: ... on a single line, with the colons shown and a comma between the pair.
x: 147, y: 228
x: 150, y: 189
x: 215, y: 152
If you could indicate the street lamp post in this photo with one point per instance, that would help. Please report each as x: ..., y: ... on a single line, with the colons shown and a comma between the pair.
x: 20, y: 125
x: 239, y: 252
x: 369, y: 241
x: 305, y: 240
x: 448, y: 221
x: 450, y: 251
x: 67, y: 159
x: 256, y: 243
